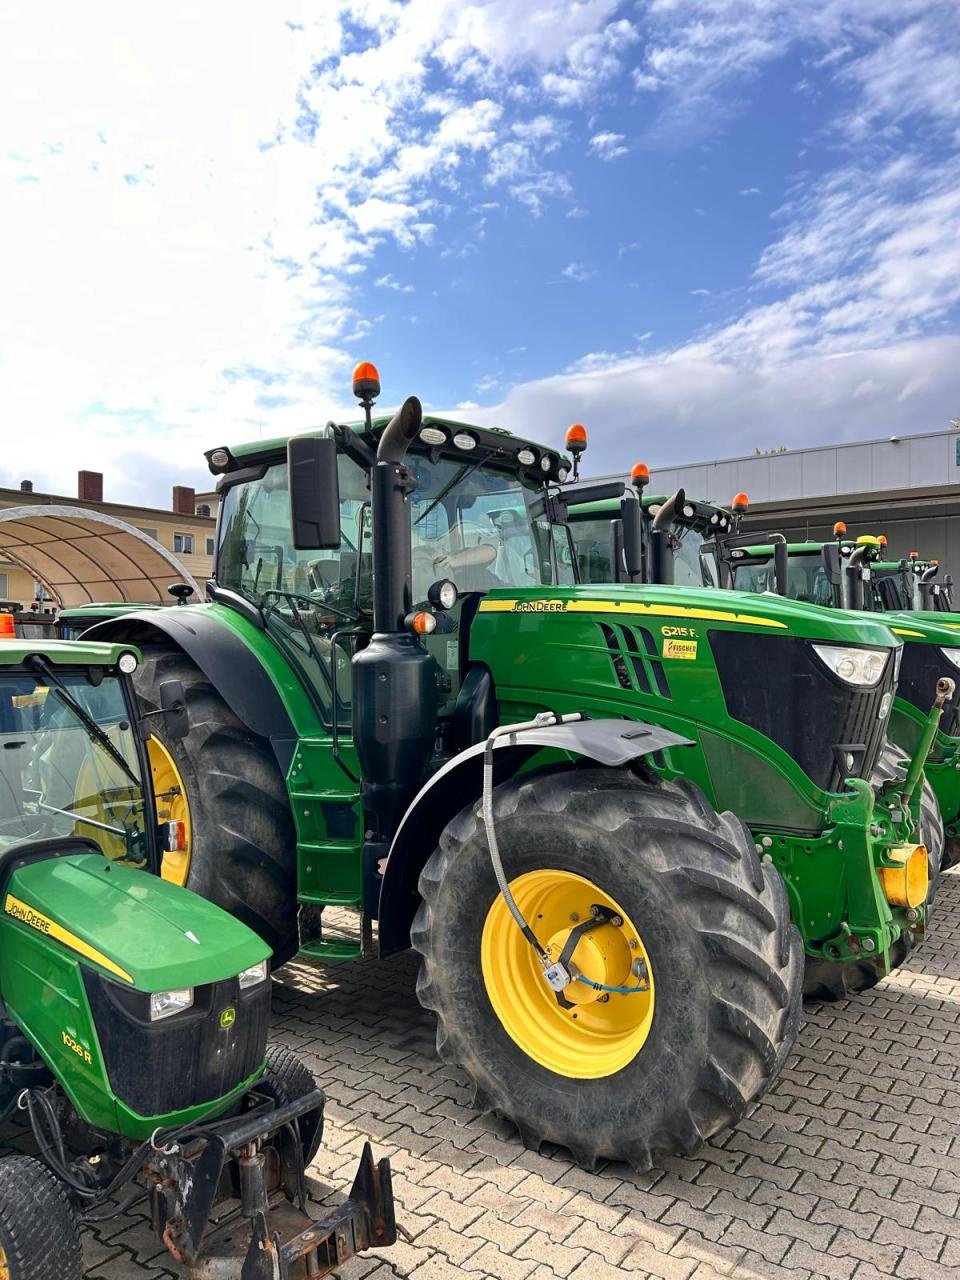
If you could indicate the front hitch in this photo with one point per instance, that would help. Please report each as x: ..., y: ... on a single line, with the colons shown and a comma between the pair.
x: 230, y: 1204
x: 907, y: 789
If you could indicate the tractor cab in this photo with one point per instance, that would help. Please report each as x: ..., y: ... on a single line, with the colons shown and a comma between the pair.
x: 644, y: 538
x: 482, y: 515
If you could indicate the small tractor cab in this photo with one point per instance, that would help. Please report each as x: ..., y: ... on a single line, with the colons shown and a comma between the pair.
x: 133, y: 1031
x: 628, y: 535
x: 843, y: 574
x: 599, y: 813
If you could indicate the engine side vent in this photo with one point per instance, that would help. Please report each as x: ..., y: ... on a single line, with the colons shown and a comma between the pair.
x: 636, y: 663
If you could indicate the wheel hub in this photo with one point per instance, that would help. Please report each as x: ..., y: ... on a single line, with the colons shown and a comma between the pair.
x: 601, y: 956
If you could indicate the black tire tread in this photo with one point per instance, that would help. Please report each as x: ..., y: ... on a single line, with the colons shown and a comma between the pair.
x: 38, y: 1227
x: 244, y: 855
x: 708, y: 858
x: 290, y: 1078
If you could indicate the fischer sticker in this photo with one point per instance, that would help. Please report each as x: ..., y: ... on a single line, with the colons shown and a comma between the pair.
x: 680, y: 649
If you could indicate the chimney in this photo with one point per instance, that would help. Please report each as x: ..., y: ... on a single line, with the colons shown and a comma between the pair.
x: 26, y: 486
x: 90, y: 486
x: 184, y: 500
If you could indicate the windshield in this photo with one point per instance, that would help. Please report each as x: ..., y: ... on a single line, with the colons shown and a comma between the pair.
x: 61, y: 777
x: 480, y: 526
x: 896, y: 591
x: 806, y: 578
x: 688, y: 569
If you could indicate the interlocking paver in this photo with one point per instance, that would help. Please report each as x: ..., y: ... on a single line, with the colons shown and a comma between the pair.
x: 847, y: 1171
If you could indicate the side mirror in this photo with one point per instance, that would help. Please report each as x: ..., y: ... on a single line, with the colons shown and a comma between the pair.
x: 173, y: 708
x: 781, y: 567
x: 631, y: 516
x: 314, y: 489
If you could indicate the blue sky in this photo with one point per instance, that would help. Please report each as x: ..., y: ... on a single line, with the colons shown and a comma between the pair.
x: 699, y: 226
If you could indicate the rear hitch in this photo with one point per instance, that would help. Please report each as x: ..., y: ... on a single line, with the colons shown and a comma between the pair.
x: 230, y: 1204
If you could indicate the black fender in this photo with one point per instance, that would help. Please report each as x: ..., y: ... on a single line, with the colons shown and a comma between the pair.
x: 231, y: 667
x: 613, y: 743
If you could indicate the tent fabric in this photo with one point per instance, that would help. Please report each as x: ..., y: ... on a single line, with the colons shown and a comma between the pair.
x: 85, y: 557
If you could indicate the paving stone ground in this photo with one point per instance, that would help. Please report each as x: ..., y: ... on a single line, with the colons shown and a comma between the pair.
x: 849, y: 1169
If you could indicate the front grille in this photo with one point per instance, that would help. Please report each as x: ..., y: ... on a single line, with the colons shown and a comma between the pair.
x: 778, y: 686
x: 920, y: 669
x: 156, y: 1068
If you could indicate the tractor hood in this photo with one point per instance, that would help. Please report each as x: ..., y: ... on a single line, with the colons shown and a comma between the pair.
x: 695, y: 606
x: 133, y: 926
x: 918, y: 627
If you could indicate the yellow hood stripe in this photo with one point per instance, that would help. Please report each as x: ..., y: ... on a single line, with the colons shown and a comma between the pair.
x: 902, y: 631
x: 624, y: 607
x: 28, y: 915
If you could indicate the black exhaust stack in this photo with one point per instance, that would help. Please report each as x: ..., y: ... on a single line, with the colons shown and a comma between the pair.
x: 395, y: 681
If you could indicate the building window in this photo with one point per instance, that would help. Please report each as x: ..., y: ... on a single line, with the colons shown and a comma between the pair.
x: 3, y: 586
x: 183, y: 544
x: 203, y: 510
x: 151, y: 533
x: 209, y: 546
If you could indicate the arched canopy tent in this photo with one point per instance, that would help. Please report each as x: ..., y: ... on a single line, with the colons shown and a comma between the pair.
x: 82, y: 557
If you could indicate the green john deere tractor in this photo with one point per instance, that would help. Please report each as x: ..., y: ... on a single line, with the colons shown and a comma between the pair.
x: 843, y: 574
x: 594, y: 811
x: 634, y: 537
x: 134, y: 1014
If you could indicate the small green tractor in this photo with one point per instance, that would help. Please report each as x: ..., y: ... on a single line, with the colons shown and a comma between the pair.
x: 133, y: 1013
x: 597, y: 812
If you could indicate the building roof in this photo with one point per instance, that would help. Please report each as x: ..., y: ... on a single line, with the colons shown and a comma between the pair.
x: 81, y: 555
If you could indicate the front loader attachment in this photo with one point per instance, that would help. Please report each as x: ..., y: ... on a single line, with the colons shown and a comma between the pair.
x: 230, y: 1204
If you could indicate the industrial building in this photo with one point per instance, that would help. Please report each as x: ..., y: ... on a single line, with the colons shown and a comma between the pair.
x: 907, y: 487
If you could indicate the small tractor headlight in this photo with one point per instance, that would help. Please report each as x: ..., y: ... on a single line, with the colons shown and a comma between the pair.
x: 952, y: 655
x: 127, y: 663
x: 526, y: 457
x: 256, y: 973
x: 164, y: 1004
x: 860, y: 667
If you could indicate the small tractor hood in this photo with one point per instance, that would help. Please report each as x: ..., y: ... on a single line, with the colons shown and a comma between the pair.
x: 135, y: 927
x: 773, y: 614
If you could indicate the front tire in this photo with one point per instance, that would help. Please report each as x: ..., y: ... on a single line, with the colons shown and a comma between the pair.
x: 39, y: 1235
x: 710, y: 921
x: 228, y: 787
x: 287, y: 1079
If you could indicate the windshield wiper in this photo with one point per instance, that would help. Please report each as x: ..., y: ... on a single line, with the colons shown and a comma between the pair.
x: 461, y: 475
x: 91, y: 726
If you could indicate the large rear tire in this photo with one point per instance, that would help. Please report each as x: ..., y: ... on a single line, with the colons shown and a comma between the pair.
x: 242, y: 852
x: 39, y: 1236
x: 636, y: 1076
x: 828, y: 980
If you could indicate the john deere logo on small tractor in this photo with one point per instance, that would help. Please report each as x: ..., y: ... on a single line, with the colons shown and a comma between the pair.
x: 227, y: 1018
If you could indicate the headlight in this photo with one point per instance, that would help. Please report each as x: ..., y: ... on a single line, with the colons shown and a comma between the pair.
x: 164, y: 1004
x: 860, y: 667
x: 443, y: 594
x: 256, y: 973
x: 127, y: 662
x: 952, y: 655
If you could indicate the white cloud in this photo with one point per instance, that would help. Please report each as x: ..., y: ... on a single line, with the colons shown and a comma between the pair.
x: 687, y: 405
x: 749, y: 191
x: 188, y: 208
x: 577, y: 271
x: 388, y: 282
x: 608, y: 146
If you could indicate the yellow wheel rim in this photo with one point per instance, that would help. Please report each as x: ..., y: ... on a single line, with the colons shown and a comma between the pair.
x: 172, y: 806
x: 4, y: 1268
x: 595, y: 1036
